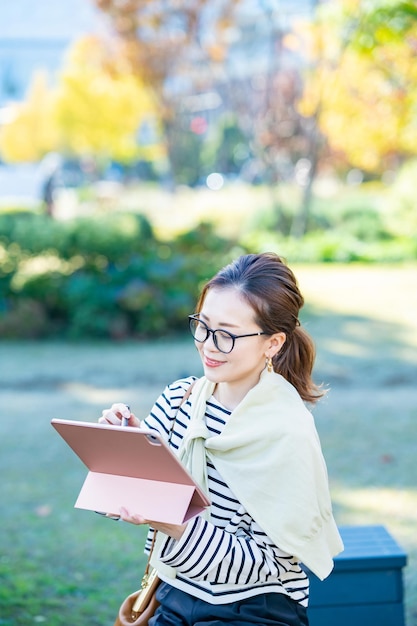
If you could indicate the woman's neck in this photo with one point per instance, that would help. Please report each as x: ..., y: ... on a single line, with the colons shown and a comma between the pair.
x: 230, y: 394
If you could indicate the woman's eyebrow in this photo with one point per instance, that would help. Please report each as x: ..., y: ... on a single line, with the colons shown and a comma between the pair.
x: 206, y: 319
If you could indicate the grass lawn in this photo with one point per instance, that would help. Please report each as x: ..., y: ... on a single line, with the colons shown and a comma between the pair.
x: 59, y: 565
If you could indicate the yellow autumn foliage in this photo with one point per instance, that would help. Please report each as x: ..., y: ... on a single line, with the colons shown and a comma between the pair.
x: 96, y: 108
x: 364, y: 102
x: 31, y: 133
x: 100, y: 104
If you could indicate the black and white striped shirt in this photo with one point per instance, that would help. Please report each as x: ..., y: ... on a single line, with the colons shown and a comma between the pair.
x: 229, y: 557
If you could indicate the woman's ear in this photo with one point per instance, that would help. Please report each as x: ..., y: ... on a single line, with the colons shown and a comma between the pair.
x: 276, y: 342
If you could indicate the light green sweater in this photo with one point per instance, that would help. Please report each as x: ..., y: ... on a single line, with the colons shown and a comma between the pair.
x: 270, y: 456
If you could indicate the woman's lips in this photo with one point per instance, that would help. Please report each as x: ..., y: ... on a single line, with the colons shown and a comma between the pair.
x: 211, y: 363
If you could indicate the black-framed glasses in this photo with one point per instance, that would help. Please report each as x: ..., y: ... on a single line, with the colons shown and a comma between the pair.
x: 223, y: 340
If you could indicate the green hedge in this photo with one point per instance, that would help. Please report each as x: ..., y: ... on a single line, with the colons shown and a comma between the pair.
x: 109, y: 276
x: 100, y: 277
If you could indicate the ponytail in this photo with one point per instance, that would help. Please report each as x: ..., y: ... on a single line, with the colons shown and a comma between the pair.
x: 295, y: 362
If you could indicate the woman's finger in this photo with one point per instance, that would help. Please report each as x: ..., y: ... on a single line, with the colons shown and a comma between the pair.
x: 109, y: 417
x: 132, y: 518
x: 121, y: 409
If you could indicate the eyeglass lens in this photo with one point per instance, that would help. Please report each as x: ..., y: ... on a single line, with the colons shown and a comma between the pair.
x: 222, y: 340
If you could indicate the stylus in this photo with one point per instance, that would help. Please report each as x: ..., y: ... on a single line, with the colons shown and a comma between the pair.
x: 125, y: 420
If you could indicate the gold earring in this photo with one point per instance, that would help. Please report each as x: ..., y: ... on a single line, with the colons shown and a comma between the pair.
x: 269, y: 365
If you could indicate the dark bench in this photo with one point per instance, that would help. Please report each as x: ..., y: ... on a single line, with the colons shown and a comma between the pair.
x: 366, y: 585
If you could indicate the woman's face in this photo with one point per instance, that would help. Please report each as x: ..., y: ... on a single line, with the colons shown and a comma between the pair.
x: 224, y: 308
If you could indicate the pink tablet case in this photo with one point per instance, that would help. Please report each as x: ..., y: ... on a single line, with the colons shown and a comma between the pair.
x: 133, y: 468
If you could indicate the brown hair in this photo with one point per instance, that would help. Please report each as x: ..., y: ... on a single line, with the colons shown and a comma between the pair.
x: 270, y: 287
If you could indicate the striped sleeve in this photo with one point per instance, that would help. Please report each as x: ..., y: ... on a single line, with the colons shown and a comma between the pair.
x: 167, y: 412
x: 206, y: 552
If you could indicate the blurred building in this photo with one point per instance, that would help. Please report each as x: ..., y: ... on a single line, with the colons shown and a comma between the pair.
x: 36, y: 34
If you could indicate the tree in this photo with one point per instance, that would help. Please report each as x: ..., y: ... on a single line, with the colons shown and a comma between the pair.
x: 31, y: 133
x: 101, y: 105
x: 161, y: 39
x: 97, y: 108
x: 362, y: 84
x: 176, y: 47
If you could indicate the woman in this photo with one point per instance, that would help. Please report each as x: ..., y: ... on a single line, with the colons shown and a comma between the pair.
x: 249, y: 440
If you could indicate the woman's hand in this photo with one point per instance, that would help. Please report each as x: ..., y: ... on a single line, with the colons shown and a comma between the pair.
x: 173, y: 530
x: 115, y: 414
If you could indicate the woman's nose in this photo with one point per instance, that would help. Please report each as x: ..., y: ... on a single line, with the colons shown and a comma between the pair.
x: 210, y: 339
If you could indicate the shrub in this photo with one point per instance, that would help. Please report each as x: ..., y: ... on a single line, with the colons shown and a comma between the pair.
x: 111, y: 277
x: 107, y: 277
x: 399, y: 202
x: 113, y: 237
